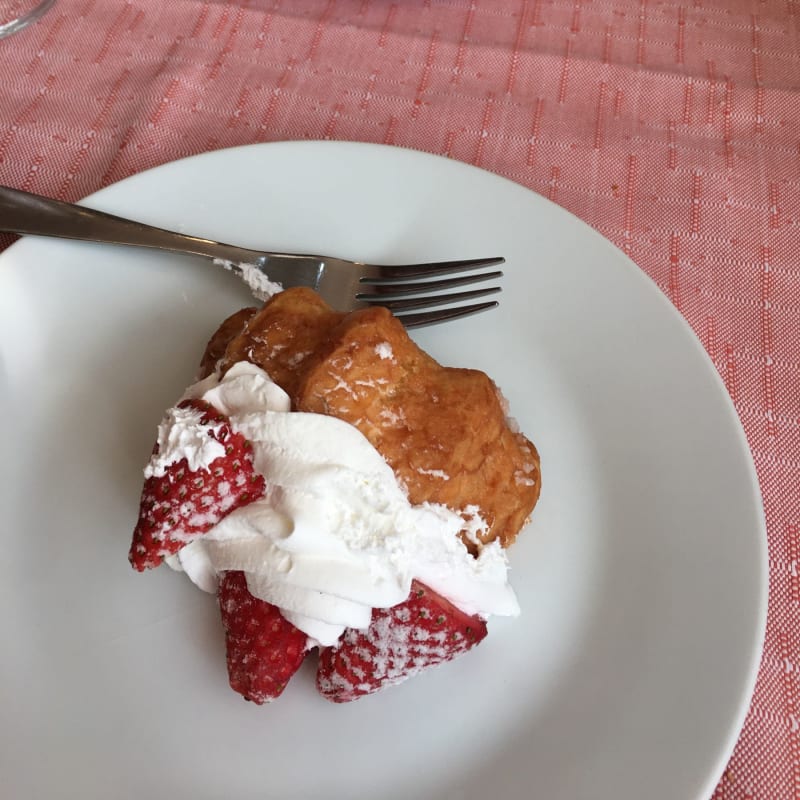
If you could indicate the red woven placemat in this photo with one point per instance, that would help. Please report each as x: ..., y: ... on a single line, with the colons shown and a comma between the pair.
x: 673, y: 128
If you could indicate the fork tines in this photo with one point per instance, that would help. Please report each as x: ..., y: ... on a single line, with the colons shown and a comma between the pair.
x: 390, y: 286
x: 444, y: 314
x: 402, y: 271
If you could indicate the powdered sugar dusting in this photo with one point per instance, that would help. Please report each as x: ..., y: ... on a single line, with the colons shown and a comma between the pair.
x: 295, y: 359
x: 260, y: 284
x: 384, y: 351
x: 399, y: 643
x: 391, y: 417
x: 523, y: 477
x: 434, y: 473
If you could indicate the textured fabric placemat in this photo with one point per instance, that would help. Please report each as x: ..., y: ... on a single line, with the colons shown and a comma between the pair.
x: 672, y: 128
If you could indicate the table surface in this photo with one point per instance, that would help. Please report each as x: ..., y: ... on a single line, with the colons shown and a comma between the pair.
x: 673, y: 128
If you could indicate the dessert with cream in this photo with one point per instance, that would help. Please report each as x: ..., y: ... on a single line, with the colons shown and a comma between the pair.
x: 341, y: 491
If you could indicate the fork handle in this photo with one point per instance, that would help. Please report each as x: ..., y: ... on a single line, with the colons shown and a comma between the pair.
x: 26, y: 213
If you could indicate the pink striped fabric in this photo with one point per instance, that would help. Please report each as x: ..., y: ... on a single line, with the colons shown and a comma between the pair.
x: 671, y: 126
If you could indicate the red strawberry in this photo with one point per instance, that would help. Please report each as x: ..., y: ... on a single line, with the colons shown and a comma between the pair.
x: 264, y: 650
x: 181, y: 505
x: 400, y: 642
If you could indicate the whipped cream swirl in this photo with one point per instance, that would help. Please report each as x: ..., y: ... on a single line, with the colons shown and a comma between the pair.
x: 334, y: 535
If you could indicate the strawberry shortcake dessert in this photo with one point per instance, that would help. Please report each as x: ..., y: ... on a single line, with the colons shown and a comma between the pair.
x: 342, y: 493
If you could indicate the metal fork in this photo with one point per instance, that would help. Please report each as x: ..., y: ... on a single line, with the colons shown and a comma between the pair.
x: 345, y: 285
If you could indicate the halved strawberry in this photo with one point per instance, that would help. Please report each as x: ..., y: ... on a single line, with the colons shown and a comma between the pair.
x: 400, y: 642
x: 264, y: 650
x: 182, y: 504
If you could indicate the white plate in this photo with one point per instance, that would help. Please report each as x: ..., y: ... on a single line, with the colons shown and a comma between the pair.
x: 642, y: 578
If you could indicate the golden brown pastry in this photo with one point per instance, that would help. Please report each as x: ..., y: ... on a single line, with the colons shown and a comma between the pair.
x: 443, y: 430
